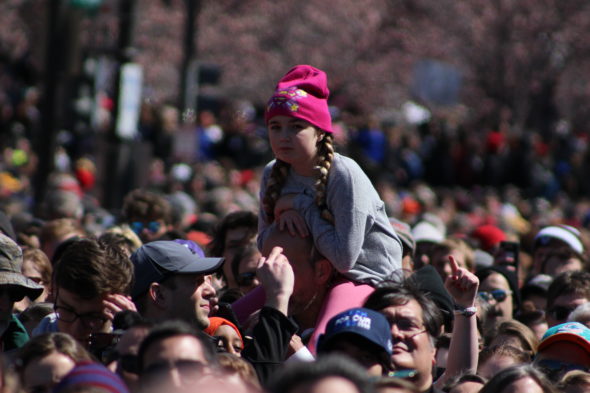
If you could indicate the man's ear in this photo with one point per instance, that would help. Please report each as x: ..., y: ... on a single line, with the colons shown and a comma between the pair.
x: 157, y: 294
x: 323, y: 271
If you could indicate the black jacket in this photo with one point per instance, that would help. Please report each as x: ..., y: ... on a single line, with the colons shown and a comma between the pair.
x: 271, y: 335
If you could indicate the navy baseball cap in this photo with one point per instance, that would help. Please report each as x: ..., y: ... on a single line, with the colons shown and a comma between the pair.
x: 368, y: 324
x: 155, y: 261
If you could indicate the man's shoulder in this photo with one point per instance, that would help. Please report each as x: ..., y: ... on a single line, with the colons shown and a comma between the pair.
x: 47, y: 325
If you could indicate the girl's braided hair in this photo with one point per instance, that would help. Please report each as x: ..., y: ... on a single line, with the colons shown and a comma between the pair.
x: 280, y: 171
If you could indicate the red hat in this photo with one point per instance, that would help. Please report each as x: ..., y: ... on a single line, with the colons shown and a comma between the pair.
x: 216, y: 322
x: 302, y: 93
x: 489, y: 236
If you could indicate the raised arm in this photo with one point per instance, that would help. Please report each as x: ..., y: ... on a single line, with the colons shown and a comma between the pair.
x: 463, y: 350
x: 274, y: 330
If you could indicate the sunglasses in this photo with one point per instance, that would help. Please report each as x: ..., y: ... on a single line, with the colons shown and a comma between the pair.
x: 187, y: 369
x: 560, y: 313
x: 246, y: 279
x: 554, y: 368
x: 152, y: 226
x: 499, y: 295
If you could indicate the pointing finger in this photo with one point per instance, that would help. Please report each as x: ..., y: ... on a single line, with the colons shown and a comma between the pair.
x: 454, y: 265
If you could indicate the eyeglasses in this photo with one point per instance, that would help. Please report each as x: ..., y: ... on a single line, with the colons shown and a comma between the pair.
x: 89, y: 320
x: 560, y: 313
x: 152, y: 226
x: 408, y: 327
x: 188, y: 369
x: 499, y: 295
x: 246, y: 279
x: 554, y: 369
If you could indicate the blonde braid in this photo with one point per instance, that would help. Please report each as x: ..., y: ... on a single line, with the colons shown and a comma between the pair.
x: 276, y: 181
x: 325, y: 157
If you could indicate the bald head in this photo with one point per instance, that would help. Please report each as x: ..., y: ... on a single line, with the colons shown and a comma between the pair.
x: 294, y: 247
x: 311, y: 272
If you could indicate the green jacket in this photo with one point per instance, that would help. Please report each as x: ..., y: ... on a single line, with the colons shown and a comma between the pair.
x: 15, y: 335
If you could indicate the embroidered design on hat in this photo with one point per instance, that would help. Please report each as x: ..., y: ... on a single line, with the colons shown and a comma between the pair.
x: 287, y: 98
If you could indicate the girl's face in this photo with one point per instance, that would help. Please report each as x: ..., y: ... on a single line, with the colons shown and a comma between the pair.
x: 42, y: 374
x: 294, y: 141
x: 230, y: 339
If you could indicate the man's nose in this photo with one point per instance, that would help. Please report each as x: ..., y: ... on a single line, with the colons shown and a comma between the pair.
x: 396, y: 333
x: 175, y: 377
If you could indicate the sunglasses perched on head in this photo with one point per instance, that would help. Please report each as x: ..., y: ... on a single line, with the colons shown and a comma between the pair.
x: 152, y: 226
x: 499, y: 295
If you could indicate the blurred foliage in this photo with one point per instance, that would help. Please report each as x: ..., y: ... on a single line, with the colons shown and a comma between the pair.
x: 525, y: 60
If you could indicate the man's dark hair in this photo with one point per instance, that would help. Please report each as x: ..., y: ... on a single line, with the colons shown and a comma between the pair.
x: 91, y: 269
x: 146, y: 205
x: 128, y: 319
x: 400, y: 293
x: 295, y: 376
x: 239, y: 219
x: 515, y: 353
x: 172, y: 329
x: 569, y: 283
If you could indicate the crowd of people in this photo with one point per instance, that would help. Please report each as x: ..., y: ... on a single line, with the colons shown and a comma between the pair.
x: 414, y: 267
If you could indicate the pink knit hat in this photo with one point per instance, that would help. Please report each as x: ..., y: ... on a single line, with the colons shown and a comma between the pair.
x: 302, y: 93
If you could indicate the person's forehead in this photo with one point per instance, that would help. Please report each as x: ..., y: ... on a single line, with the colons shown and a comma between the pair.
x: 495, y: 281
x: 295, y: 248
x: 570, y: 299
x: 80, y: 305
x: 184, y: 347
x: 226, y: 331
x: 467, y: 387
x: 236, y: 234
x: 411, y: 309
x: 189, y: 279
x: 30, y: 268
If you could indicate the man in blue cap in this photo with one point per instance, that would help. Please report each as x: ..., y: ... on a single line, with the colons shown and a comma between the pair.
x: 173, y: 281
x: 361, y: 334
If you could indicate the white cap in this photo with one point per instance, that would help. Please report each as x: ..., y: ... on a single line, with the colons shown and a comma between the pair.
x: 426, y: 232
x: 567, y: 234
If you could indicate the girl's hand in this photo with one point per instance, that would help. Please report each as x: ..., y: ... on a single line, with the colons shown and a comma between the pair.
x: 285, y: 202
x: 293, y: 222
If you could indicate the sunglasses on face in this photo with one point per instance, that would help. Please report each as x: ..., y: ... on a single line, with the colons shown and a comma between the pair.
x: 152, y: 226
x: 554, y: 368
x: 246, y: 279
x: 499, y: 295
x: 560, y: 313
x: 188, y: 369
